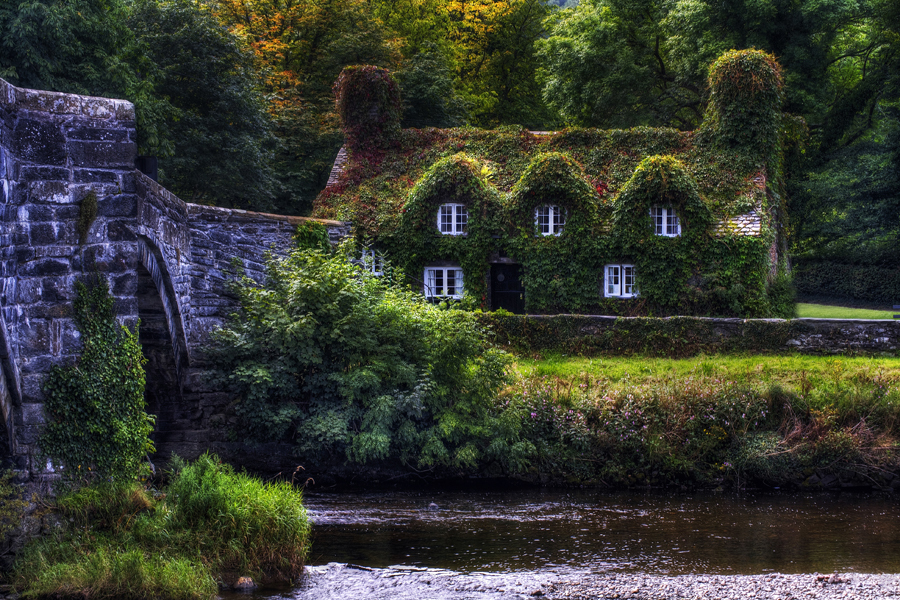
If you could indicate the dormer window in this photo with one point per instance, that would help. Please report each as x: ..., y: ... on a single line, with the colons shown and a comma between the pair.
x: 619, y: 281
x: 550, y: 219
x: 665, y: 221
x: 443, y: 282
x: 453, y: 219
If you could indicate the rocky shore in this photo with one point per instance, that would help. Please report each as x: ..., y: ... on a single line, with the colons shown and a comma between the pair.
x: 334, y: 581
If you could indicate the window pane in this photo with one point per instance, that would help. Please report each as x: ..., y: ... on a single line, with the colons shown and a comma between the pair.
x: 462, y: 219
x: 446, y: 218
x: 627, y: 280
x: 657, y: 214
x: 559, y: 219
x: 612, y: 281
x: 542, y: 216
x: 671, y: 223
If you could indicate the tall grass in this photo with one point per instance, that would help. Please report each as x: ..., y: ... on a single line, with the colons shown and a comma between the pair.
x: 708, y: 420
x: 209, y: 525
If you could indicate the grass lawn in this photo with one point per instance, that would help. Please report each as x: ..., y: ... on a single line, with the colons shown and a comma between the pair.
x: 824, y: 311
x: 792, y: 371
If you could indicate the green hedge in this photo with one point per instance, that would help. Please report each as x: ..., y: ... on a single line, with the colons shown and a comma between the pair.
x: 858, y: 282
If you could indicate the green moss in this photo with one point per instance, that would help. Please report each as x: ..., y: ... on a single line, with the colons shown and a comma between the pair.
x: 87, y: 214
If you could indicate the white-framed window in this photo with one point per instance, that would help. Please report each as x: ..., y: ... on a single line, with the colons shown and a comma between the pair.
x: 372, y: 261
x: 618, y: 281
x: 665, y: 221
x: 443, y: 282
x: 453, y: 219
x: 549, y: 219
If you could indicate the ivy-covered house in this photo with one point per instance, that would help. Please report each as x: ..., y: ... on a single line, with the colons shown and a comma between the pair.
x: 639, y: 221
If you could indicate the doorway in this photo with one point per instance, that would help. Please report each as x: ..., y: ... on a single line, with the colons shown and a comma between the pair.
x: 507, y: 291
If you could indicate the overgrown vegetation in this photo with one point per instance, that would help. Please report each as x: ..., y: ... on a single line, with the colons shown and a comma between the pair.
x: 348, y: 365
x: 777, y: 421
x: 209, y: 525
x: 96, y: 426
x: 605, y: 182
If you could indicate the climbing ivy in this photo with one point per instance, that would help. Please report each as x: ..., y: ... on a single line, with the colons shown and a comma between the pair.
x: 606, y: 182
x: 96, y: 425
x: 368, y: 101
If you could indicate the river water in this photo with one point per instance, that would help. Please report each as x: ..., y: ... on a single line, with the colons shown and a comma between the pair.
x: 539, y: 535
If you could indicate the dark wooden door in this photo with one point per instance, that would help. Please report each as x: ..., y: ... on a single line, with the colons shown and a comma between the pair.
x: 506, y: 288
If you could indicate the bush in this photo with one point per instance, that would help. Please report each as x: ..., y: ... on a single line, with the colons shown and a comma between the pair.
x: 349, y: 365
x: 209, y: 524
x: 96, y: 425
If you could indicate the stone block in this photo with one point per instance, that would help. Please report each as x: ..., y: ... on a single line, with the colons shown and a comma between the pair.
x: 38, y: 173
x: 97, y: 134
x: 34, y: 338
x: 39, y: 141
x: 58, y: 289
x: 117, y: 206
x: 35, y: 213
x: 44, y: 234
x: 95, y: 176
x: 33, y: 387
x: 32, y: 414
x: 28, y: 291
x: 45, y: 267
x: 48, y: 102
x: 120, y: 231
x: 110, y: 258
x: 102, y: 154
x: 124, y: 285
x: 54, y: 192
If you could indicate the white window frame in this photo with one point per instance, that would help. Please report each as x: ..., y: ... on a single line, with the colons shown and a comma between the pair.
x: 457, y: 221
x: 372, y: 261
x: 437, y: 281
x: 549, y: 219
x: 665, y: 221
x: 619, y: 281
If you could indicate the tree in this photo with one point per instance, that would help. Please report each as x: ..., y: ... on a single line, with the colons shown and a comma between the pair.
x: 300, y: 48
x: 218, y: 125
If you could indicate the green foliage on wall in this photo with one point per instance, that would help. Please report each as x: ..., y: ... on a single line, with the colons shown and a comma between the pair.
x: 606, y: 183
x: 368, y: 101
x: 673, y: 337
x: 96, y: 425
x: 343, y: 364
x: 417, y: 240
x: 87, y: 213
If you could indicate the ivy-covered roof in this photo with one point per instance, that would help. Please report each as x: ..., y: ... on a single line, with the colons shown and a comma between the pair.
x: 371, y: 190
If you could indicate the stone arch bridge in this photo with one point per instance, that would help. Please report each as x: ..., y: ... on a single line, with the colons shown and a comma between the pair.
x: 168, y: 262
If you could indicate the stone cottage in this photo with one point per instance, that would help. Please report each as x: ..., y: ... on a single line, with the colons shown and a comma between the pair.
x: 630, y: 222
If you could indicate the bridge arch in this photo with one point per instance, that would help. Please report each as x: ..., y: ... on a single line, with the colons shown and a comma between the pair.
x: 10, y: 391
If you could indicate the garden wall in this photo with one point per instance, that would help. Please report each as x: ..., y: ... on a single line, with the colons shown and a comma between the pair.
x: 685, y: 336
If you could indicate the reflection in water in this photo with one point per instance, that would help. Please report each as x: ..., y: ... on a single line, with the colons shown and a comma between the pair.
x: 597, y: 531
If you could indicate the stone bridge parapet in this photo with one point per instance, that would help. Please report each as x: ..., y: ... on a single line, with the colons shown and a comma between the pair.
x: 168, y: 262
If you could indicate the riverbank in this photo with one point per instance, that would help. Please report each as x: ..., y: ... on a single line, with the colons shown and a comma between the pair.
x: 338, y: 581
x: 748, y: 421
x: 208, y: 527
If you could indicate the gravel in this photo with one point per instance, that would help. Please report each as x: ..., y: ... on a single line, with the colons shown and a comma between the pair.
x: 340, y: 581
x: 776, y: 586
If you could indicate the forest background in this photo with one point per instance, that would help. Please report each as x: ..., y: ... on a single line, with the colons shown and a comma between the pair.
x: 235, y: 96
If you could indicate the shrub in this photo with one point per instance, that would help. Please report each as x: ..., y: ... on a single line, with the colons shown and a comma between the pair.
x: 349, y: 365
x: 96, y: 425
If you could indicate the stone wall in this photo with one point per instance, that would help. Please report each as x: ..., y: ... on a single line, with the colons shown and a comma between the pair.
x: 167, y: 261
x: 683, y: 336
x: 55, y: 149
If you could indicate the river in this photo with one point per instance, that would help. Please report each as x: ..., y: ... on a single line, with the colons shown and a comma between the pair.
x: 494, y: 539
